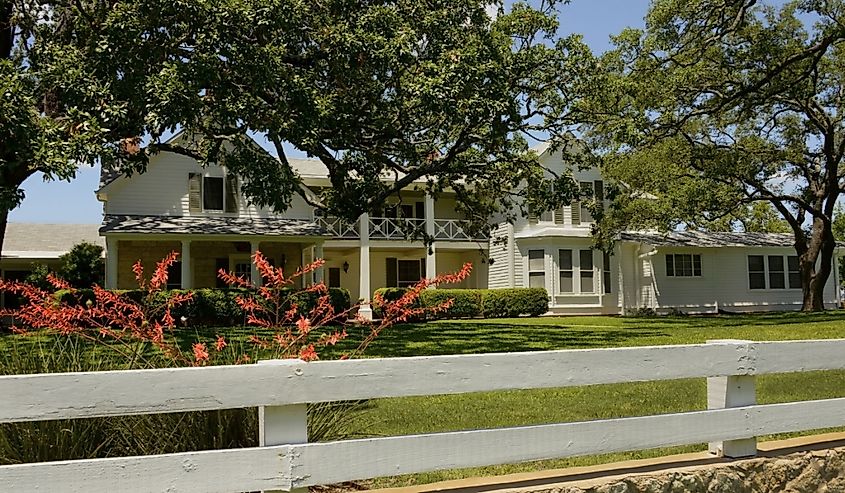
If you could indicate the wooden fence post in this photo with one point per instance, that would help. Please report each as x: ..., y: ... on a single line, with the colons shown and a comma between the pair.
x: 734, y: 391
x: 283, y: 425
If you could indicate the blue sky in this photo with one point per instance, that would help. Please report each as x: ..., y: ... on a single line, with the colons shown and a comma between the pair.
x: 74, y: 202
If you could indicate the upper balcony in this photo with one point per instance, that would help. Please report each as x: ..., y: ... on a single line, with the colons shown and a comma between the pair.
x: 391, y: 228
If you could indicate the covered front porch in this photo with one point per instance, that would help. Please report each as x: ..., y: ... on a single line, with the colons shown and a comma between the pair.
x: 205, y: 246
x: 362, y: 271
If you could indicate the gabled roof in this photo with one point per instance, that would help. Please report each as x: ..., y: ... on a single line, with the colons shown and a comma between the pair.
x: 44, y: 241
x: 223, y: 225
x: 709, y: 239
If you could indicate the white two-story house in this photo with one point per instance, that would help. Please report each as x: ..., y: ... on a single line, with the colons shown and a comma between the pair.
x: 199, y: 212
x: 177, y: 205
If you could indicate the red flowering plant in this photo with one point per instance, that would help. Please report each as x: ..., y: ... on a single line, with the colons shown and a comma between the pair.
x: 290, y: 322
x: 292, y: 329
x: 101, y: 315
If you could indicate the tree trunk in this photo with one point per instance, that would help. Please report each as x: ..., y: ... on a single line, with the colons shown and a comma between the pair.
x: 813, y: 280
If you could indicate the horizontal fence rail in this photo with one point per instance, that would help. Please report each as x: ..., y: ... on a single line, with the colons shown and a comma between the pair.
x: 730, y: 424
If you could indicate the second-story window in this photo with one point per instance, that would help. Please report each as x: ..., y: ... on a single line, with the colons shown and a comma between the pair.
x: 212, y: 193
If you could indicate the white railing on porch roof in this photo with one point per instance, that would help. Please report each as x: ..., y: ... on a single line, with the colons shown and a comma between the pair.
x: 339, y: 228
x: 282, y: 389
x: 389, y: 228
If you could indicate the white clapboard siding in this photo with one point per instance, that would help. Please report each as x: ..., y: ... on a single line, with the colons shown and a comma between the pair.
x: 295, y: 466
x: 77, y: 395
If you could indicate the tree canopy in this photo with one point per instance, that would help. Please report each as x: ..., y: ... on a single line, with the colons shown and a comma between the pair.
x: 383, y: 93
x: 720, y: 104
x: 78, y: 80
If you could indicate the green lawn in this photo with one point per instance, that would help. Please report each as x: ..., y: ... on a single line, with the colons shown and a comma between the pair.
x: 401, y: 416
x: 498, y: 409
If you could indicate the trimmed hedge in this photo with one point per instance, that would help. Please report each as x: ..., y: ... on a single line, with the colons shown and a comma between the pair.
x: 212, y: 306
x: 471, y: 303
x: 513, y: 302
x: 466, y: 303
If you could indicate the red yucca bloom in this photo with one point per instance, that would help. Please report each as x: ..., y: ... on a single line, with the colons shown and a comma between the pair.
x: 274, y: 308
x: 108, y: 316
x: 294, y: 323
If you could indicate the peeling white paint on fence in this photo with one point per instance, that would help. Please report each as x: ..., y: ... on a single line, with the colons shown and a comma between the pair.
x: 289, y: 384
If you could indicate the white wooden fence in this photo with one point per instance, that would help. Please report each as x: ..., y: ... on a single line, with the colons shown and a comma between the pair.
x: 281, y: 390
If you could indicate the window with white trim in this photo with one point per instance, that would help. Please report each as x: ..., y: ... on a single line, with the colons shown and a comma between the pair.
x: 576, y: 271
x: 536, y: 269
x: 243, y: 269
x: 774, y: 272
x: 756, y: 272
x: 212, y: 193
x: 777, y: 273
x: 586, y: 272
x: 404, y: 273
x: 683, y: 265
x: 794, y: 271
x: 566, y: 271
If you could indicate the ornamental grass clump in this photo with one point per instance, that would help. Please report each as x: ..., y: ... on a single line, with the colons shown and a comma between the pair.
x: 108, y: 330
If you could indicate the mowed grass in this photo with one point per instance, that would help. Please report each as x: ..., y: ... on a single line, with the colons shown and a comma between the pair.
x: 404, y: 416
x: 429, y: 414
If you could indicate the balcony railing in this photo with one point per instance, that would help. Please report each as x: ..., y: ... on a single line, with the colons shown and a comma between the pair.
x: 452, y: 229
x: 339, y: 228
x: 391, y: 228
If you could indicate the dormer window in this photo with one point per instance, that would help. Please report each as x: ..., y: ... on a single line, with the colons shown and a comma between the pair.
x: 212, y: 193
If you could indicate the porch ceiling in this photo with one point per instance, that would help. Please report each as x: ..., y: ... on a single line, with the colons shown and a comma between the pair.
x: 223, y: 226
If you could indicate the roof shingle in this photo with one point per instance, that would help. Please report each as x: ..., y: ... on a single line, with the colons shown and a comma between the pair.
x: 210, y: 225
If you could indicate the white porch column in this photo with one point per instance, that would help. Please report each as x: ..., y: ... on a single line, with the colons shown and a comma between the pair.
x: 365, y: 310
x: 430, y: 255
x: 111, y: 263
x: 187, y: 272
x: 254, y: 275
x: 318, y: 254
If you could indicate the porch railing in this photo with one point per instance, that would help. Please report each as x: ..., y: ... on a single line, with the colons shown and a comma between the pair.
x: 391, y: 228
x: 339, y: 228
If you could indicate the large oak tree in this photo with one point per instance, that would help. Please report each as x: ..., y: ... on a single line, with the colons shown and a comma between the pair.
x: 719, y: 104
x: 383, y: 92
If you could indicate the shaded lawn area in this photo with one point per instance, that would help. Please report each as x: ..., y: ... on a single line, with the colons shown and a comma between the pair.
x: 401, y: 416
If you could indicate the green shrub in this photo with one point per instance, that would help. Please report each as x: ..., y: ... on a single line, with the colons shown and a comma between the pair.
x: 83, y: 265
x: 73, y: 299
x: 466, y: 302
x: 489, y: 303
x: 513, y: 302
x: 388, y: 295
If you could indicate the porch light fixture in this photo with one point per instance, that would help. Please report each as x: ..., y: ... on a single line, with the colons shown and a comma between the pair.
x: 346, y: 267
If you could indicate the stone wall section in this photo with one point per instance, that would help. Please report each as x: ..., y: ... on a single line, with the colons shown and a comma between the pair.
x: 819, y: 471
